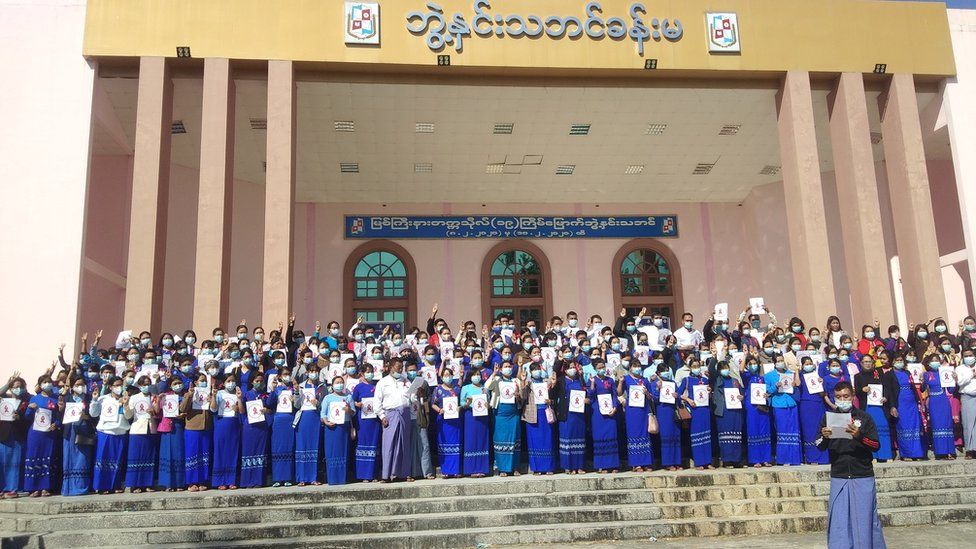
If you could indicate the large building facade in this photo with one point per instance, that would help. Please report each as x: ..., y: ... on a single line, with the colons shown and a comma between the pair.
x: 192, y: 163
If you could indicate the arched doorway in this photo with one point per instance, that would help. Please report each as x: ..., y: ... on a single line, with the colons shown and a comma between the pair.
x: 646, y: 274
x: 516, y: 281
x: 380, y: 284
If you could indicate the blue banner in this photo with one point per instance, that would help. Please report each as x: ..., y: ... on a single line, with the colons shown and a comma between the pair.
x: 510, y: 226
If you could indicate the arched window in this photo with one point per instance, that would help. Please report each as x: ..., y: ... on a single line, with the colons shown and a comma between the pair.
x: 380, y: 284
x: 645, y: 274
x: 516, y: 283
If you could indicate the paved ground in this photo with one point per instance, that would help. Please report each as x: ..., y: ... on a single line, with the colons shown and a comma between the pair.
x: 959, y: 534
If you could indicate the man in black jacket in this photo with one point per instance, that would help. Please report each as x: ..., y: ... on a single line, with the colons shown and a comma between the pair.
x: 852, y: 515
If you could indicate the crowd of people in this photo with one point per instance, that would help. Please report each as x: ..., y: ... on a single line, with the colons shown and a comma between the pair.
x: 253, y: 408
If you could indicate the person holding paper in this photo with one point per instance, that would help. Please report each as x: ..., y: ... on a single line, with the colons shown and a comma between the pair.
x: 475, y: 432
x: 759, y: 451
x: 256, y: 434
x: 539, y: 419
x: 727, y: 401
x: 505, y: 390
x: 908, y: 421
x: 171, y: 428
x: 603, y: 421
x: 78, y: 448
x: 283, y: 400
x: 701, y: 417
x: 780, y: 384
x: 113, y: 426
x: 572, y: 424
x: 636, y: 399
x: 140, y: 462
x: 812, y: 405
x: 198, y: 432
x: 336, y: 434
x: 367, y: 426
x: 669, y: 428
x: 308, y: 428
x: 42, y: 414
x: 867, y: 382
x: 852, y: 512
x: 941, y: 434
x: 447, y: 429
x: 228, y: 408
x: 13, y: 433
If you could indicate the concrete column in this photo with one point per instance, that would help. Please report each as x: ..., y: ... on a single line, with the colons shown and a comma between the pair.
x: 857, y: 191
x: 806, y: 222
x: 911, y: 203
x: 215, y: 205
x: 150, y: 193
x: 279, y: 202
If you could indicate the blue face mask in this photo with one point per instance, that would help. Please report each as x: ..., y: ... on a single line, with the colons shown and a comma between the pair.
x: 615, y: 346
x: 631, y: 328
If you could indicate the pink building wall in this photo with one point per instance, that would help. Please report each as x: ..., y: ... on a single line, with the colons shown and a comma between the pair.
x: 727, y: 252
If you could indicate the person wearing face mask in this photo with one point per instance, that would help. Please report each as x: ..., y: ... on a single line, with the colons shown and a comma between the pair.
x: 625, y: 327
x: 852, y: 513
x: 781, y: 384
x: 572, y: 424
x: 506, y: 439
x: 198, y: 432
x: 941, y: 433
x: 603, y: 421
x: 811, y: 410
x: 759, y: 449
x: 113, y: 426
x: 640, y: 452
x: 835, y: 373
x: 539, y: 419
x: 701, y: 423
x: 255, y: 435
x: 447, y: 431
x: 833, y: 331
x: 687, y: 337
x: 870, y: 342
x: 726, y: 388
x: 172, y: 472
x: 143, y: 441
x: 669, y: 426
x: 865, y: 381
x: 966, y: 391
x: 393, y: 408
x: 228, y: 406
x: 13, y: 436
x: 43, y: 416
x: 921, y: 340
x: 337, y: 435
x: 284, y: 400
x: 475, y: 431
x: 368, y: 428
x: 78, y: 449
x: 908, y: 424
x: 308, y: 426
x: 421, y: 465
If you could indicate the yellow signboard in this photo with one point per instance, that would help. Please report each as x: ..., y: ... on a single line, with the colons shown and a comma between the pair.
x: 543, y: 35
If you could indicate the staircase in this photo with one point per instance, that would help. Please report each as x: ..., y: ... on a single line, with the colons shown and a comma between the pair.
x: 466, y: 512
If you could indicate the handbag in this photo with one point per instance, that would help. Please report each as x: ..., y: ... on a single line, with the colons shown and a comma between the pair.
x: 84, y: 440
x: 652, y: 427
x: 682, y: 414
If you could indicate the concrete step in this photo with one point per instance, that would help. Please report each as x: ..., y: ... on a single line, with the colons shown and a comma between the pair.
x: 329, y: 509
x: 526, y: 509
x: 358, y: 526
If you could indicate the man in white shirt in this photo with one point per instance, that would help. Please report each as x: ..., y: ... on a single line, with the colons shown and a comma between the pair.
x: 393, y: 409
x: 966, y: 382
x: 688, y: 337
